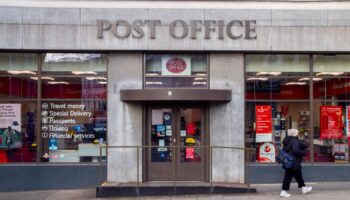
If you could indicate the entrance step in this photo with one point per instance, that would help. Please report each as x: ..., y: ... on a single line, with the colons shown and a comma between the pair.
x: 166, y: 189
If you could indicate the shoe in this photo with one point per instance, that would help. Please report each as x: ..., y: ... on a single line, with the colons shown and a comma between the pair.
x: 284, y: 194
x: 306, y: 189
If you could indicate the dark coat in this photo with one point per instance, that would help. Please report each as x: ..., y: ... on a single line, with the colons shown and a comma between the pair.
x: 297, y: 149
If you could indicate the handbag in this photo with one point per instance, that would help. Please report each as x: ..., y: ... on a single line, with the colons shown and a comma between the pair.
x: 285, y: 159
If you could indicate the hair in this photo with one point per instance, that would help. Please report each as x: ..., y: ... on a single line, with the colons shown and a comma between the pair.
x: 293, y: 132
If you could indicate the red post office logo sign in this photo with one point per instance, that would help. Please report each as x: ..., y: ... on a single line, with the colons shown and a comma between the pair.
x: 176, y: 65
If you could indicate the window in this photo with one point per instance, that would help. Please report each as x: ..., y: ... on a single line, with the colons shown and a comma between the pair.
x: 18, y: 108
x: 277, y: 99
x: 281, y: 85
x: 58, y: 112
x: 176, y: 71
x: 73, y: 107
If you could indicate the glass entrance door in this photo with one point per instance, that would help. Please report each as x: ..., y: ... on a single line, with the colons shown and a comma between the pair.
x: 176, y: 135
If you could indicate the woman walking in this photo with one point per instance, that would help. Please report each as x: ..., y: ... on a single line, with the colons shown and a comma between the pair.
x: 297, y: 149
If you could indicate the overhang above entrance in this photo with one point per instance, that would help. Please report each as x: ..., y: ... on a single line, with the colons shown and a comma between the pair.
x: 175, y: 95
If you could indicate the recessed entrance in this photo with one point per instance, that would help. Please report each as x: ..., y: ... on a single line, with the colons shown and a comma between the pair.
x: 177, y: 136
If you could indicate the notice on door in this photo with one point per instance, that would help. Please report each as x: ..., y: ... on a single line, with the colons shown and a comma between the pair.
x: 331, y: 122
x: 263, y: 121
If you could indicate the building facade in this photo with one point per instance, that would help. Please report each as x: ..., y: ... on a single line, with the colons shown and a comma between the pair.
x: 141, y: 91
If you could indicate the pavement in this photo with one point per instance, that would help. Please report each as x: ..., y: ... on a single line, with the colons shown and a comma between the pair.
x: 321, y: 191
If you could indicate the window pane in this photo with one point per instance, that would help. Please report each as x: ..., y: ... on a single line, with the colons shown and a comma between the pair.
x: 18, y: 63
x: 276, y: 88
x: 331, y: 141
x: 73, y: 131
x: 283, y: 116
x: 274, y: 65
x: 332, y: 65
x: 179, y: 71
x: 18, y: 87
x: 75, y: 87
x: 74, y: 64
x: 17, y: 132
x: 332, y: 88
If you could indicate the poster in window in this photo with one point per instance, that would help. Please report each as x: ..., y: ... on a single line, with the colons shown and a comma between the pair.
x: 176, y: 65
x: 267, y: 152
x: 347, y: 121
x: 331, y: 122
x: 10, y: 126
x: 263, y: 123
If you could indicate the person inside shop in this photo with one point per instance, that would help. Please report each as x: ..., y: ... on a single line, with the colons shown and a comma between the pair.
x: 293, y: 146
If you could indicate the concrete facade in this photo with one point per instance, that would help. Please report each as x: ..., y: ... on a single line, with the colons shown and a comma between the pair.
x: 226, y: 124
x: 278, y: 29
x: 124, y: 119
x: 27, y: 28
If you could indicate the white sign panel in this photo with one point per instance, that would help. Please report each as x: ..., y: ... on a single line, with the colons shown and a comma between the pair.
x: 176, y: 65
x: 267, y: 153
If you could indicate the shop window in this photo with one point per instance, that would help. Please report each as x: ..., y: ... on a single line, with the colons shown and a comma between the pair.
x: 74, y: 131
x: 18, y: 64
x: 89, y: 87
x: 267, y: 124
x: 262, y: 66
x: 331, y: 141
x: 18, y: 108
x: 176, y: 71
x: 17, y: 87
x: 74, y: 64
x: 331, y: 65
x: 277, y: 88
x: 74, y: 128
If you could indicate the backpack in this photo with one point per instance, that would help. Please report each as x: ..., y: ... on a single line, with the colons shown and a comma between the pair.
x: 285, y: 159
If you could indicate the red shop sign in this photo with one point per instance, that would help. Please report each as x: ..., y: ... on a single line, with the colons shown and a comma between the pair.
x: 331, y: 122
x: 176, y: 65
x: 263, y: 123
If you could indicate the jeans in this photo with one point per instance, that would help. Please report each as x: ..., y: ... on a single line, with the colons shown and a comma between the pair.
x: 289, y: 174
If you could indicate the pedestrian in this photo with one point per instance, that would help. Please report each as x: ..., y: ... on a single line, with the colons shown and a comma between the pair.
x: 293, y: 146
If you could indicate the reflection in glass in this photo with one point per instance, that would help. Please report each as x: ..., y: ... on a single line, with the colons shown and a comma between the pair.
x: 331, y: 65
x: 277, y: 64
x: 18, y: 64
x: 74, y: 64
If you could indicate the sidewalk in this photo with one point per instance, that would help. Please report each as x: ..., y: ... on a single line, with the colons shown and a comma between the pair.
x: 322, y: 191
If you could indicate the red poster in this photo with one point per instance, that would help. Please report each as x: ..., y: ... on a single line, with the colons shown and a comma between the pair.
x: 347, y: 121
x: 189, y: 153
x: 263, y: 123
x: 331, y: 122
